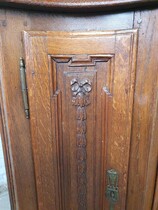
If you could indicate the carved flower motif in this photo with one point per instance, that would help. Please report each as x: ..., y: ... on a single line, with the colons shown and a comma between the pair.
x: 81, y: 127
x: 81, y: 100
x: 82, y: 192
x: 81, y: 154
x: 81, y: 170
x: 81, y: 113
x: 81, y: 140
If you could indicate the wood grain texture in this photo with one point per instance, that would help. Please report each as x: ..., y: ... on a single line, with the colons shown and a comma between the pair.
x: 17, y: 128
x: 155, y: 200
x: 144, y: 150
x: 144, y: 135
x: 43, y: 143
x: 68, y: 153
x: 79, y: 4
x: 13, y: 22
x: 5, y: 139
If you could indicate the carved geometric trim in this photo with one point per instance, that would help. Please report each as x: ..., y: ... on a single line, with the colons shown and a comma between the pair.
x: 81, y: 60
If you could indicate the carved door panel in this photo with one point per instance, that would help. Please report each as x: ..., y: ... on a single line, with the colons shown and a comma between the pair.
x: 81, y: 88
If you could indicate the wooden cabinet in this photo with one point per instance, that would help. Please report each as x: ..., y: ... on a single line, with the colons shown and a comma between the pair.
x: 90, y: 142
x: 81, y: 88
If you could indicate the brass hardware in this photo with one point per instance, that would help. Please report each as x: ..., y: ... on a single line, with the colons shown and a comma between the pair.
x: 112, y: 191
x: 24, y: 87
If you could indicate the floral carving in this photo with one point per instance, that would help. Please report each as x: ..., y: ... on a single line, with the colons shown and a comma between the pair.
x: 81, y: 99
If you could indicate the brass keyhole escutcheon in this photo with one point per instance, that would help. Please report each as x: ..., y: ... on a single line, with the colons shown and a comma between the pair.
x: 112, y: 192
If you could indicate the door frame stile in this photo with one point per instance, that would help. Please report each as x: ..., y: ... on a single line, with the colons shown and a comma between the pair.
x: 5, y: 139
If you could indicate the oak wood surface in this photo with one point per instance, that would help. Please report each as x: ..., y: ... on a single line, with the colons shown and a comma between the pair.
x: 155, y: 200
x: 12, y: 23
x: 5, y: 140
x: 145, y: 115
x: 64, y: 163
x: 144, y: 134
x: 91, y: 5
x: 16, y: 126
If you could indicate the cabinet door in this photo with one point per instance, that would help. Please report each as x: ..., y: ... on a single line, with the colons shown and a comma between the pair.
x: 81, y: 87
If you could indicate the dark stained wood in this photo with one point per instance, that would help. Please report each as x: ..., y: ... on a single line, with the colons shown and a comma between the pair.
x: 91, y: 5
x: 88, y: 22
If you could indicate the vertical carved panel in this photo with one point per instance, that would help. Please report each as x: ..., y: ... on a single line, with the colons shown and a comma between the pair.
x: 80, y: 99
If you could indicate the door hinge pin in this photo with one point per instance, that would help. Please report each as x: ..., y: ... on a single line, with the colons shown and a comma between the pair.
x: 24, y: 87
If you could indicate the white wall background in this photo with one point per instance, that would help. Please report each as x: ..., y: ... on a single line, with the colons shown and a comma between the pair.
x: 3, y: 179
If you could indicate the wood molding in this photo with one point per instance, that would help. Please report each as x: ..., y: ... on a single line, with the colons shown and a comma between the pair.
x: 68, y: 5
x: 7, y: 157
x: 5, y: 141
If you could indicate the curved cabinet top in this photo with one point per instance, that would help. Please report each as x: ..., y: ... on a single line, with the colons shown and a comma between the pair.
x: 74, y: 5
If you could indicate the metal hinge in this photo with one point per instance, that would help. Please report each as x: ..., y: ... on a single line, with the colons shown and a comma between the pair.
x: 24, y: 87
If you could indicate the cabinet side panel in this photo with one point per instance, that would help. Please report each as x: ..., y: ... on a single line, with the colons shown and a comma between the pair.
x: 17, y: 126
x: 144, y: 147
